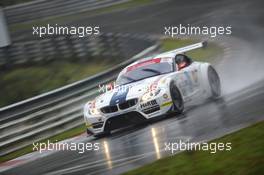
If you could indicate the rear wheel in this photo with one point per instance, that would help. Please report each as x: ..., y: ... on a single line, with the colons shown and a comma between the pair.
x: 177, y: 100
x: 214, y: 82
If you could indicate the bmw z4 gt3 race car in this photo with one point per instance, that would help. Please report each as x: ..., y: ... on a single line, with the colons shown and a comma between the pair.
x: 152, y: 87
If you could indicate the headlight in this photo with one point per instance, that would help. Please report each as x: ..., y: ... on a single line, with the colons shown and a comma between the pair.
x: 94, y: 111
x: 149, y: 95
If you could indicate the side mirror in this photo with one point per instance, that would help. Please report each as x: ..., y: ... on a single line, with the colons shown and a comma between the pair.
x: 204, y: 43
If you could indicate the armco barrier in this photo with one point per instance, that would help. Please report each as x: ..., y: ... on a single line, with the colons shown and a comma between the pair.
x: 131, y: 45
x: 73, y: 48
x: 41, y: 9
x: 51, y: 113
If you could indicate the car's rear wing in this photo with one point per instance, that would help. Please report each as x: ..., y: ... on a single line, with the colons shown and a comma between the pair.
x: 173, y: 53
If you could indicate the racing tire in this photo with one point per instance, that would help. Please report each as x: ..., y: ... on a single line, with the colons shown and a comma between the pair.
x: 100, y: 135
x: 88, y: 132
x: 177, y: 100
x: 214, y: 83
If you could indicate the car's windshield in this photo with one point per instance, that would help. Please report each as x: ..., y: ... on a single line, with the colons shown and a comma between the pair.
x: 142, y: 72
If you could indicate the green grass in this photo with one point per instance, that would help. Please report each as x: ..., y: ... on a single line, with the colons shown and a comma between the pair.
x: 129, y: 4
x: 78, y: 16
x: 204, y: 54
x: 28, y: 149
x: 21, y: 83
x: 246, y: 157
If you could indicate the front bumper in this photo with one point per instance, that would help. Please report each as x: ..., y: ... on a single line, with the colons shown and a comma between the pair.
x: 139, y: 113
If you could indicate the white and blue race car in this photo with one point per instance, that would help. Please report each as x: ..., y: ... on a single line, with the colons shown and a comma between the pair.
x: 152, y: 87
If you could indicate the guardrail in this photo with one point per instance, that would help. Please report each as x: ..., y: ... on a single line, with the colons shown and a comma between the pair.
x: 51, y: 113
x: 73, y: 48
x: 42, y: 9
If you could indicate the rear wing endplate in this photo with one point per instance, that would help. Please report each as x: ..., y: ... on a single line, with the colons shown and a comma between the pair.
x: 173, y: 53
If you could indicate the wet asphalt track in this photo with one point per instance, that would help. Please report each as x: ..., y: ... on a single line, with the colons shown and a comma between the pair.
x: 133, y: 147
x: 241, y: 106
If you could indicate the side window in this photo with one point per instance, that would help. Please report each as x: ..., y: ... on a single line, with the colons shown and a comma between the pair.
x: 182, y: 61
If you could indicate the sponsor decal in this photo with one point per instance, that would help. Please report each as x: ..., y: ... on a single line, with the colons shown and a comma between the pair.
x: 143, y: 63
x: 154, y: 85
x: 166, y: 104
x: 148, y: 104
x: 189, y: 83
x: 119, y: 96
x: 167, y: 59
x: 195, y: 76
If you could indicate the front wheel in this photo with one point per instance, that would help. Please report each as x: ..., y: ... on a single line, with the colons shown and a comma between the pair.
x: 176, y: 97
x: 214, y: 82
x: 103, y: 134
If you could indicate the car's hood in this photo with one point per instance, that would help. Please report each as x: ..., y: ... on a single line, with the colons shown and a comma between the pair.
x: 126, y: 92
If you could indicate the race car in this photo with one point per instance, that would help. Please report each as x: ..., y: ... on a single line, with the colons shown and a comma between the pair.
x: 152, y: 87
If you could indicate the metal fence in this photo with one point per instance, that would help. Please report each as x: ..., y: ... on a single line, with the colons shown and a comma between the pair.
x: 109, y: 46
x: 41, y: 9
x: 59, y: 110
x: 51, y: 113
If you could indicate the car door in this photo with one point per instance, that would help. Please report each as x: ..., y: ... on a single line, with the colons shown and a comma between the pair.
x: 187, y: 80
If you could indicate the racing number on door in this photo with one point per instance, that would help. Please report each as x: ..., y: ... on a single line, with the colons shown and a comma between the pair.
x: 189, y: 81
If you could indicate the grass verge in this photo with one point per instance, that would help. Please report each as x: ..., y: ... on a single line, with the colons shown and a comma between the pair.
x: 78, y: 16
x: 246, y: 157
x: 28, y: 149
x: 24, y: 82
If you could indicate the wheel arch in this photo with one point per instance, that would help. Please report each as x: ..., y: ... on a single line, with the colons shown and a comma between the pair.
x: 205, y: 79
